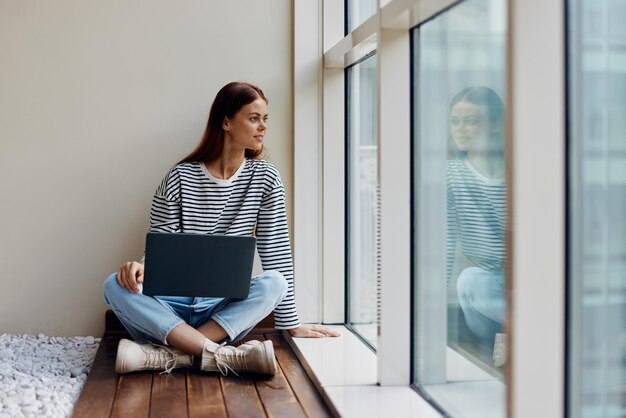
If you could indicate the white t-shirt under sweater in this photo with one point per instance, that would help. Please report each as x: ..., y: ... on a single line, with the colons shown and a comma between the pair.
x: 476, y: 217
x: 190, y: 199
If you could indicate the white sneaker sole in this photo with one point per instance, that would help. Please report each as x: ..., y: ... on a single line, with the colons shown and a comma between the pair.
x: 270, y: 358
x: 120, y: 360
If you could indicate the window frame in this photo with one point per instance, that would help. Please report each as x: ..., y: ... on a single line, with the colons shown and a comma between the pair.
x: 536, y: 121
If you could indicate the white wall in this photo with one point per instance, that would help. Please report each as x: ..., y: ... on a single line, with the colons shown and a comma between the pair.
x: 97, y: 100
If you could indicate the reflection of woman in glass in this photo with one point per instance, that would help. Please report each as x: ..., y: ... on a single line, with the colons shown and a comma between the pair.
x: 477, y: 208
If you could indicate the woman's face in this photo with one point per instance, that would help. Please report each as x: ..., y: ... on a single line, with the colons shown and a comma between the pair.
x: 247, y: 128
x: 471, y: 129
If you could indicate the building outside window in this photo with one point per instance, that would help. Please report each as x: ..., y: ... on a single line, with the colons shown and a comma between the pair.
x: 597, y: 199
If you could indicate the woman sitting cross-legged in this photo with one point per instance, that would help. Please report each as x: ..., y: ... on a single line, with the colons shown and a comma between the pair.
x: 222, y: 187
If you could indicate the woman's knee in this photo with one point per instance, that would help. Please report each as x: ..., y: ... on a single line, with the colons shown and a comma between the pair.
x: 475, y: 282
x: 274, y: 284
x: 466, y: 282
x: 110, y: 287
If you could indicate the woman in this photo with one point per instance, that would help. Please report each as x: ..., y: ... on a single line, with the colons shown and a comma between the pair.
x: 222, y: 187
x: 477, y: 207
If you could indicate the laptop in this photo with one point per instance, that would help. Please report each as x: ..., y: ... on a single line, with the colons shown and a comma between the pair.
x: 198, y: 265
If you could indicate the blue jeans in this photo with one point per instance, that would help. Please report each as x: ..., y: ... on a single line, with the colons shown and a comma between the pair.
x: 152, y: 318
x: 482, y: 299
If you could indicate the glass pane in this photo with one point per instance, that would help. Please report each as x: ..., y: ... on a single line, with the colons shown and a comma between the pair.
x: 358, y: 11
x: 362, y: 185
x: 460, y: 198
x: 597, y: 203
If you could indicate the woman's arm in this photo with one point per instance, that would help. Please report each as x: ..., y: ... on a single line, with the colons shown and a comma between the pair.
x: 275, y: 253
x: 452, y: 223
x: 275, y: 249
x: 451, y: 236
x: 165, y: 215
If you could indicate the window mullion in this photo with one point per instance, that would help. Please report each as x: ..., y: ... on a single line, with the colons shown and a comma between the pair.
x: 537, y: 245
x: 394, y: 150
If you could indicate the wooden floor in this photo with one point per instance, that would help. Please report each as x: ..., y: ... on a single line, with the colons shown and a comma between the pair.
x: 191, y: 393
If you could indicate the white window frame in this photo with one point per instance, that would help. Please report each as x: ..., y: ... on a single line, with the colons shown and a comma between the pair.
x: 307, y: 150
x: 536, y: 123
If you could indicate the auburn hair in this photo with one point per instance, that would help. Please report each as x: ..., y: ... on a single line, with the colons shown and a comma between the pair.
x: 228, y: 101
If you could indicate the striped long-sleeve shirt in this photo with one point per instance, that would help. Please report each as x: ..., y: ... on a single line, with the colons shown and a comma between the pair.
x: 476, y: 217
x: 251, y: 202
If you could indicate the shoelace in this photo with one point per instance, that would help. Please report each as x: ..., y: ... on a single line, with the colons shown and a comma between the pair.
x: 169, y: 365
x: 239, y: 358
x: 155, y: 358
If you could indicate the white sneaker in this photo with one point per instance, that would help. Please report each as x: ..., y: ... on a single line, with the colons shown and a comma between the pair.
x: 132, y: 357
x: 499, y: 350
x: 252, y: 356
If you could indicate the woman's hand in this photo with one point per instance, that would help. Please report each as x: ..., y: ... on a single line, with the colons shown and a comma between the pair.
x: 313, y: 331
x: 130, y: 276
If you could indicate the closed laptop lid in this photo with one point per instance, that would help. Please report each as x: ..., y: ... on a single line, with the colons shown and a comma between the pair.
x: 198, y: 265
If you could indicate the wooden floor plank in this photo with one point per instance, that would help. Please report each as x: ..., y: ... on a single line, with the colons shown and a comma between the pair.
x: 275, y: 393
x: 204, y: 395
x: 278, y: 398
x: 241, y: 397
x: 304, y: 390
x: 98, y: 394
x: 169, y: 395
x: 133, y: 396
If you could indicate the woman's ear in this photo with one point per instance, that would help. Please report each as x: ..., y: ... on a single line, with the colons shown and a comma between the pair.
x: 226, y: 124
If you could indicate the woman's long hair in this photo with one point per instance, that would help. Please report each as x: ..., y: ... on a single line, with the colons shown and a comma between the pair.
x: 229, y: 100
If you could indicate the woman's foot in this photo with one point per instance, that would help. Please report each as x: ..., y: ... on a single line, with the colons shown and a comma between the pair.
x: 251, y: 356
x: 132, y: 357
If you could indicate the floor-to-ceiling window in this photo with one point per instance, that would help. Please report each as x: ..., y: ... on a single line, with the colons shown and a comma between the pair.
x: 460, y: 207
x: 597, y: 208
